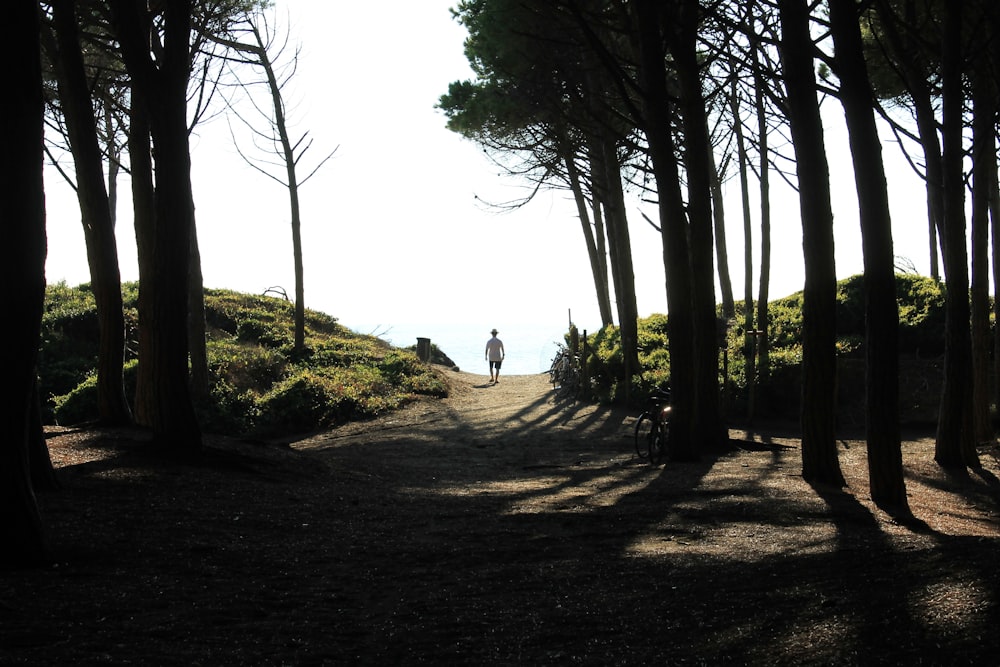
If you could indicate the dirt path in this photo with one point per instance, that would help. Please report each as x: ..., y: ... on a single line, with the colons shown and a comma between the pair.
x: 500, y: 526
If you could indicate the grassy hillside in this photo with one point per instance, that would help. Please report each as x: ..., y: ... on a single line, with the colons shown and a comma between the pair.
x: 257, y: 386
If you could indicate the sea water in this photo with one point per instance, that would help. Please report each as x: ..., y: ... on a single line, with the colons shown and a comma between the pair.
x: 530, y: 348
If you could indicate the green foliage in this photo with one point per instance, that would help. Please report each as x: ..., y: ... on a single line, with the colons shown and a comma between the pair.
x: 311, y: 399
x: 921, y: 334
x: 605, y: 363
x: 244, y: 365
x: 921, y: 315
x: 78, y: 405
x: 67, y: 354
x: 257, y: 387
x: 69, y: 325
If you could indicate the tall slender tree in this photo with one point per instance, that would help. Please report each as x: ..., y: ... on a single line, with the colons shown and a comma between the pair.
x: 682, y: 30
x: 159, y: 79
x: 984, y: 110
x: 656, y: 117
x: 885, y: 464
x: 261, y: 51
x: 749, y: 330
x: 63, y: 45
x: 819, y: 355
x: 955, y: 446
x: 22, y: 218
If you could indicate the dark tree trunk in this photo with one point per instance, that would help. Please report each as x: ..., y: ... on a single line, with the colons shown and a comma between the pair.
x: 819, y: 357
x: 763, y: 317
x: 22, y: 218
x: 955, y: 446
x: 995, y: 237
x: 983, y: 153
x: 656, y: 121
x: 990, y: 168
x: 200, y: 382
x: 598, y: 262
x: 163, y: 86
x: 95, y: 209
x: 885, y: 459
x: 601, y: 238
x: 43, y: 475
x: 721, y: 251
x: 749, y: 337
x: 143, y: 197
x: 708, y: 426
x: 620, y: 250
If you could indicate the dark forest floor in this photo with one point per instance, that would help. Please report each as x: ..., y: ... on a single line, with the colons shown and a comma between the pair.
x: 501, y: 526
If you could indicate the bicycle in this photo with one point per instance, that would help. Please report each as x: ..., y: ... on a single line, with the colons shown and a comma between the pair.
x: 652, y: 429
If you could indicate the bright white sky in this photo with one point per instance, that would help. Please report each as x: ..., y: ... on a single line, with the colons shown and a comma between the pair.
x: 392, y: 227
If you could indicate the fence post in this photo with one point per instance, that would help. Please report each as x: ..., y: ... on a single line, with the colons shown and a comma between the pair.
x: 424, y: 349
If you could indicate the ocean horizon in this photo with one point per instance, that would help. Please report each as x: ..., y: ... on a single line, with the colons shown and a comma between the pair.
x: 529, y: 347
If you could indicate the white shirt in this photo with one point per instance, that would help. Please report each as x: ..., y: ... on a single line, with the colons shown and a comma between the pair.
x: 494, y: 349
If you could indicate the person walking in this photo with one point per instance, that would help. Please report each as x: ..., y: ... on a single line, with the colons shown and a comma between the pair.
x: 494, y: 355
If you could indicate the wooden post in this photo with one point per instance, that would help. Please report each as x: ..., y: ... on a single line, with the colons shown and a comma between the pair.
x: 424, y: 349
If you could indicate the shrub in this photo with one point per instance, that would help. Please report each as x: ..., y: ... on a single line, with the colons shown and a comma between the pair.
x: 79, y: 405
x: 921, y: 333
x: 312, y: 399
x: 256, y: 386
x: 245, y: 365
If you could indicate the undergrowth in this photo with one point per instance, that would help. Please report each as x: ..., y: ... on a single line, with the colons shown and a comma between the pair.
x: 921, y: 303
x: 257, y: 385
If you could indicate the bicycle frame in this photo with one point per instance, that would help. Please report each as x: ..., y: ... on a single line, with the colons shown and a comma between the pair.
x: 652, y: 428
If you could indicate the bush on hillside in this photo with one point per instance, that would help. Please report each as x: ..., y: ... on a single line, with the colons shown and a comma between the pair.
x: 921, y: 334
x: 257, y: 385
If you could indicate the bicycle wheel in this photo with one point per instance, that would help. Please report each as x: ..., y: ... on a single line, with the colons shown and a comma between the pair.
x: 659, y: 439
x: 644, y: 429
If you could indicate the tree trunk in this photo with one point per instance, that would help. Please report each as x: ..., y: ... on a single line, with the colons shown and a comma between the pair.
x: 721, y: 251
x: 995, y: 237
x: 144, y: 217
x: 656, y: 121
x: 983, y: 153
x: 931, y: 146
x: 749, y: 336
x: 620, y: 249
x: 200, y: 383
x: 994, y: 209
x: 885, y: 460
x: 763, y: 318
x: 163, y: 87
x: 43, y: 475
x: 955, y: 446
x: 598, y: 262
x: 22, y: 215
x: 597, y: 208
x: 95, y: 209
x: 819, y: 357
x: 113, y: 151
x: 708, y: 426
